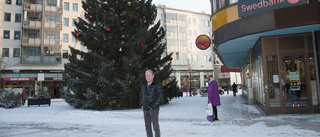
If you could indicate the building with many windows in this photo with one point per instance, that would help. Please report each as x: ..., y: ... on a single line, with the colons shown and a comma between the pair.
x: 276, y: 46
x: 191, y: 66
x: 36, y: 36
x: 35, y: 44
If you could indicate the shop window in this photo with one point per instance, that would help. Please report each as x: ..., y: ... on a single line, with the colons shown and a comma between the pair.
x: 5, y: 52
x: 273, y: 81
x: 17, y: 35
x: 18, y: 17
x: 6, y: 34
x: 66, y: 6
x: 7, y: 16
x: 16, y: 52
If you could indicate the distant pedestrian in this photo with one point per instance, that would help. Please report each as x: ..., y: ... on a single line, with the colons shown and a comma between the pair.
x: 234, y: 89
x: 214, y: 99
x: 23, y: 97
x: 151, y: 97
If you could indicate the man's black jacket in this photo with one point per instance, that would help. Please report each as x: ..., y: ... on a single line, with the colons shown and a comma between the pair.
x: 151, y: 97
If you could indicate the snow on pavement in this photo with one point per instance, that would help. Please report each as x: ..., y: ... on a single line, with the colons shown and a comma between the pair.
x: 183, y: 117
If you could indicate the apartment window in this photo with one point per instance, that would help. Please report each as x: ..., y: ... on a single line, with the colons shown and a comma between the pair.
x: 66, y: 6
x: 75, y: 7
x: 194, y: 22
x: 8, y: 1
x: 16, y: 52
x: 203, y: 22
x: 189, y: 33
x: 65, y: 37
x: 66, y: 22
x: 194, y: 33
x: 195, y: 58
x: 177, y: 55
x: 7, y: 16
x: 6, y: 34
x: 65, y: 54
x: 73, y: 22
x: 5, y: 52
x: 17, y: 35
x: 18, y: 17
x: 18, y: 2
x: 74, y: 40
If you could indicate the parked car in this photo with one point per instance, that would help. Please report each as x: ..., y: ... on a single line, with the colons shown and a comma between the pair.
x: 203, y: 90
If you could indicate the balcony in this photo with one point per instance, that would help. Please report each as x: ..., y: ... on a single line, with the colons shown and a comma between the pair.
x: 34, y: 7
x: 53, y: 9
x: 53, y: 25
x: 52, y: 42
x: 31, y: 41
x: 32, y: 24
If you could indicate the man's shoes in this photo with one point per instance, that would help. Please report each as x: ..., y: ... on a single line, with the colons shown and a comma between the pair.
x: 216, y: 119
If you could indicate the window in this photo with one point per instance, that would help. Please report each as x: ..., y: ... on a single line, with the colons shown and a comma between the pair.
x: 18, y: 17
x: 5, y: 52
x: 18, y: 2
x: 16, y: 52
x: 75, y: 7
x: 65, y: 54
x: 17, y: 35
x: 194, y: 33
x: 8, y: 1
x: 73, y: 22
x: 209, y: 58
x: 194, y: 22
x: 65, y: 37
x: 6, y: 34
x: 7, y: 16
x: 208, y: 23
x: 203, y: 22
x: 233, y: 1
x: 66, y: 6
x: 66, y: 22
x: 74, y: 40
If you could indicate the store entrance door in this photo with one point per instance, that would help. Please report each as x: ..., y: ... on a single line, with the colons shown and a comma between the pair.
x: 294, y: 84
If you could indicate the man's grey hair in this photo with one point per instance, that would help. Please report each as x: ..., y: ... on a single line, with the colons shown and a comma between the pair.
x: 150, y: 71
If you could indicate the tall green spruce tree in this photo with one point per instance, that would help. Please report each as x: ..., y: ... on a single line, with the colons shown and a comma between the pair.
x: 122, y: 41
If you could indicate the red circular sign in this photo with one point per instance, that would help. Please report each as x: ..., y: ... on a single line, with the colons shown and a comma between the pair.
x: 203, y: 42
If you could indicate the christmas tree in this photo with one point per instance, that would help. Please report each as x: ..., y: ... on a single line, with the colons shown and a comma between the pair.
x: 123, y: 41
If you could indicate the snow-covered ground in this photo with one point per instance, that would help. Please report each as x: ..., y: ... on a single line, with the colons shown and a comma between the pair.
x: 183, y: 117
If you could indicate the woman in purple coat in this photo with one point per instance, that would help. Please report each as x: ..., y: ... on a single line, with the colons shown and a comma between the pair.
x: 214, y: 99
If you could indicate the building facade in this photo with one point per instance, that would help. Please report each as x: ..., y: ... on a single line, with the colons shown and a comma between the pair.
x: 38, y: 44
x: 36, y: 36
x: 191, y: 66
x: 276, y: 46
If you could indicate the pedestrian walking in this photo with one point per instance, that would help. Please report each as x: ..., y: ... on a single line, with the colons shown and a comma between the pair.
x: 151, y: 97
x: 214, y: 99
x: 234, y: 89
x: 23, y: 98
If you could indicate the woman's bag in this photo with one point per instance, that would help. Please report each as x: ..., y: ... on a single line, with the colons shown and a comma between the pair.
x: 209, y: 110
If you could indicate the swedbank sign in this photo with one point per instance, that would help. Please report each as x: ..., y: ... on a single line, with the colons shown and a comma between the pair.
x: 251, y: 7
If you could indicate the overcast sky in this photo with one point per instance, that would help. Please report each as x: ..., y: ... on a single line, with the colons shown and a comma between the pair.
x: 190, y: 5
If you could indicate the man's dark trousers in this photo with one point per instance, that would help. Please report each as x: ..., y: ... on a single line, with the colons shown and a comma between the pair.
x: 152, y: 116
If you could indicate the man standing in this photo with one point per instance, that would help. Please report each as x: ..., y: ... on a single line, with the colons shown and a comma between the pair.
x: 151, y: 97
